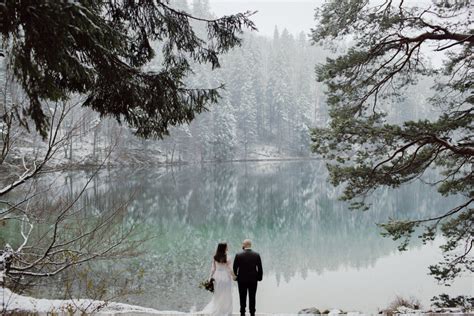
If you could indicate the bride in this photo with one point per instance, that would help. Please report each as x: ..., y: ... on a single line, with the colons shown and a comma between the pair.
x: 221, y: 272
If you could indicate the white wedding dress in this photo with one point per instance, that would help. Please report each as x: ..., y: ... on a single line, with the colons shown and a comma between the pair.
x: 221, y: 303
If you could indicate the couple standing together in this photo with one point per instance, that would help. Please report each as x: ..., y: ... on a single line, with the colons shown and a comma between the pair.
x: 246, y: 270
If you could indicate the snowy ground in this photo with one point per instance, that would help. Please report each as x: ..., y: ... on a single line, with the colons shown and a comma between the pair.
x: 14, y: 303
x: 82, y: 156
x: 11, y: 302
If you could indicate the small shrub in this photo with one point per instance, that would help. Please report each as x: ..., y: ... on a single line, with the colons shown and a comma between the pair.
x: 410, y: 302
x: 462, y: 301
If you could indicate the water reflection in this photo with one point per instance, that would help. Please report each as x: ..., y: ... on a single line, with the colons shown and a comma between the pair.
x: 287, y: 208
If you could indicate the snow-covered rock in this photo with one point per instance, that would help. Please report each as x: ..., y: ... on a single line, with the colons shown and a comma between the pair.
x: 311, y: 310
x: 451, y: 310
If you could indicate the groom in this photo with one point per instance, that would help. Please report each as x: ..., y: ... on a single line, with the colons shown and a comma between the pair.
x: 248, y: 269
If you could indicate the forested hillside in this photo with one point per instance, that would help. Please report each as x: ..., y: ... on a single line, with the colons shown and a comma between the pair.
x: 268, y: 105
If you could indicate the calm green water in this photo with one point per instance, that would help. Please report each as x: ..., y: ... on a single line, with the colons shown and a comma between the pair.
x: 315, y: 251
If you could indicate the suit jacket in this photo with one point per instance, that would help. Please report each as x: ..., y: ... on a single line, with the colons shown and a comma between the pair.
x: 248, y: 266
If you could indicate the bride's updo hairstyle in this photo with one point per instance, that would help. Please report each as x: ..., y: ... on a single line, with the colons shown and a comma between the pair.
x: 221, y: 255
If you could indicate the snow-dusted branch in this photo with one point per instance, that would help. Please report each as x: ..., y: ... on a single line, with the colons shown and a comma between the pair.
x: 69, y: 243
x: 25, y: 225
x: 55, y: 141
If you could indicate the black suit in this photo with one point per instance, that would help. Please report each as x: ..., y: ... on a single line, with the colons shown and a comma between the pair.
x: 248, y: 269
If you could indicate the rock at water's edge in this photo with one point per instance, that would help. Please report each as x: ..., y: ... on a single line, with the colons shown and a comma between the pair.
x: 311, y: 310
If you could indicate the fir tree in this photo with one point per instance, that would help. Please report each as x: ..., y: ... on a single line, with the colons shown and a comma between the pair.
x: 58, y: 48
x: 390, y: 47
x: 247, y: 117
x: 224, y: 134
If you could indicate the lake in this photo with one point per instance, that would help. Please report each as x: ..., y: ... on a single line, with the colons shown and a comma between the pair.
x: 315, y: 251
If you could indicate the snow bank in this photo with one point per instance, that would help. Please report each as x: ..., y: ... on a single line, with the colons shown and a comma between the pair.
x: 11, y: 302
x: 14, y: 303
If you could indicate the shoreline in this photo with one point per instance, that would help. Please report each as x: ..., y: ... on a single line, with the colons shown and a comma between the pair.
x: 114, y: 164
x: 12, y: 303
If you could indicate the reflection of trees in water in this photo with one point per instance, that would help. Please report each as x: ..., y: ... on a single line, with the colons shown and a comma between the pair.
x: 288, y: 209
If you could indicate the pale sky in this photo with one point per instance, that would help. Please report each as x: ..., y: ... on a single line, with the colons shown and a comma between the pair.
x: 296, y: 15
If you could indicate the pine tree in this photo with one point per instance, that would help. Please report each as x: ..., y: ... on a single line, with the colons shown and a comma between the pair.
x: 201, y: 127
x: 103, y: 47
x: 247, y: 117
x: 224, y: 134
x: 387, y: 56
x: 279, y: 91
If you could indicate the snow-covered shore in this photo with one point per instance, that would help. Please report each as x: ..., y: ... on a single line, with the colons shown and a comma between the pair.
x: 12, y: 303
